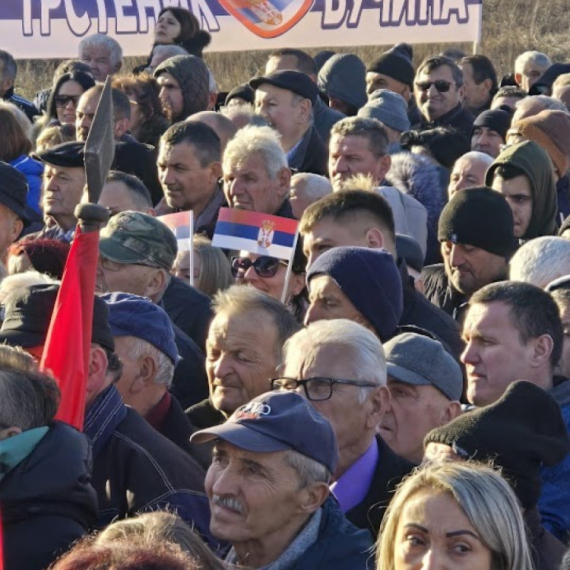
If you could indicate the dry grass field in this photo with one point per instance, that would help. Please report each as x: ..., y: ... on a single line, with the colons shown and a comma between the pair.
x: 509, y: 28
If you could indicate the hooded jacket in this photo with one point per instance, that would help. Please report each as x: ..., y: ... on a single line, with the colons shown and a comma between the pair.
x: 343, y: 77
x: 193, y: 78
x: 47, y: 500
x: 529, y: 157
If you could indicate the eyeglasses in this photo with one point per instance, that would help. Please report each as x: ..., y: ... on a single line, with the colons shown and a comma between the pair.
x: 441, y: 85
x: 264, y: 265
x: 63, y: 100
x: 316, y: 389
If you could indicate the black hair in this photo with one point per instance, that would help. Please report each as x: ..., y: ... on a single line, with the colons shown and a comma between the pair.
x: 203, y: 138
x: 305, y: 63
x: 482, y: 69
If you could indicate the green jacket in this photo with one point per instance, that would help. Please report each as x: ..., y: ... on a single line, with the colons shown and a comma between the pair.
x: 529, y: 157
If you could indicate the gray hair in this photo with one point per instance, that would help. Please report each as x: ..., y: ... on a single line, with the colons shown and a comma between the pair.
x: 9, y: 65
x: 164, y: 366
x: 371, y: 129
x: 476, y: 156
x: 168, y: 51
x: 243, y: 114
x: 102, y: 40
x: 539, y: 58
x: 239, y: 299
x: 367, y: 352
x: 315, y: 186
x: 546, y: 104
x: 261, y: 140
x: 541, y: 260
x: 487, y: 501
x: 309, y: 470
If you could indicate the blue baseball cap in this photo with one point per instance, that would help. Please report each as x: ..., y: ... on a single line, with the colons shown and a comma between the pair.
x: 131, y: 315
x: 278, y: 421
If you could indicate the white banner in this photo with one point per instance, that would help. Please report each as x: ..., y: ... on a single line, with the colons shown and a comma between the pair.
x: 53, y: 28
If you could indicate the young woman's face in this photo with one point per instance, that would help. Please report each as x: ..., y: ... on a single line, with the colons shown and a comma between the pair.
x: 66, y: 101
x: 433, y: 531
x: 167, y: 28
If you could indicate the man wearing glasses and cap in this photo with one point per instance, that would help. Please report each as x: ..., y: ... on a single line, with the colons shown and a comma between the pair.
x: 439, y: 92
x: 339, y: 366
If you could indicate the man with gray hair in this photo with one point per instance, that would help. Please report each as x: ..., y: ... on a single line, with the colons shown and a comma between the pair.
x: 145, y: 344
x: 268, y: 489
x: 541, y: 260
x: 469, y: 171
x: 243, y: 351
x: 307, y: 188
x: 256, y: 173
x: 8, y: 73
x: 529, y: 66
x: 161, y: 53
x: 102, y: 53
x: 339, y: 366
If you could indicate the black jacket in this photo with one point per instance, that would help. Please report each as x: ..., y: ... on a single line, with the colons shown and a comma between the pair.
x: 204, y: 415
x: 440, y: 292
x: 390, y: 470
x: 459, y: 118
x: 324, y: 119
x: 420, y: 312
x: 310, y: 155
x: 47, y: 500
x: 188, y: 309
x: 547, y: 551
x: 27, y: 106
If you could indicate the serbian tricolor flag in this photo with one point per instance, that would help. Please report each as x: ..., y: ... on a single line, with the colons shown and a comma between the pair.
x: 257, y: 233
x: 182, y: 226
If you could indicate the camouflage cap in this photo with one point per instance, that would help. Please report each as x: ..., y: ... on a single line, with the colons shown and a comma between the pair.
x: 134, y: 237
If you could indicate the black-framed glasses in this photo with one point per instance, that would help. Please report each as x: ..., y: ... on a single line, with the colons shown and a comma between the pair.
x: 316, y: 389
x: 441, y: 85
x: 63, y: 100
x: 264, y: 265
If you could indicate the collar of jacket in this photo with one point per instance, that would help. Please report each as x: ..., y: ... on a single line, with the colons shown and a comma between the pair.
x: 102, y: 418
x: 297, y: 154
x: 448, y: 117
x: 14, y: 450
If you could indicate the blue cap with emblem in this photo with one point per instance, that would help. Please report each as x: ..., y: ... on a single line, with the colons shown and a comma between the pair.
x: 278, y: 421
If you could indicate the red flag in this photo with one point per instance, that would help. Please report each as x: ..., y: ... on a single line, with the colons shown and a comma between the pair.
x: 68, y: 342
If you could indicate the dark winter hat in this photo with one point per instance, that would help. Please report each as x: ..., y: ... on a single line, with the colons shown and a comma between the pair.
x: 496, y: 120
x: 521, y: 432
x: 370, y: 280
x: 343, y: 77
x: 543, y: 86
x: 480, y: 217
x: 68, y: 154
x: 387, y: 107
x: 294, y: 81
x: 244, y: 92
x: 411, y: 251
x: 395, y: 63
x: 28, y: 314
x: 14, y: 191
x: 322, y: 57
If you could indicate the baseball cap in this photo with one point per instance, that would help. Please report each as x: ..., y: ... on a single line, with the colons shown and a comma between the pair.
x: 134, y: 237
x: 416, y: 359
x: 278, y: 421
x: 294, y: 81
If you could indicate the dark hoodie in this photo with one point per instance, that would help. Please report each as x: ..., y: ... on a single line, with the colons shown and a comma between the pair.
x: 193, y: 77
x: 529, y: 157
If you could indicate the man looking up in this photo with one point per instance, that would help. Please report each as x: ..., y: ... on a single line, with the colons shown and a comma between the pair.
x: 285, y: 99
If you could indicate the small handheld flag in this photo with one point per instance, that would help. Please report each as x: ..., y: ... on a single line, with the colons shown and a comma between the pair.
x: 182, y: 226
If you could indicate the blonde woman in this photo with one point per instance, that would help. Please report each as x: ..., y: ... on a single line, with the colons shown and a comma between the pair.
x: 457, y: 516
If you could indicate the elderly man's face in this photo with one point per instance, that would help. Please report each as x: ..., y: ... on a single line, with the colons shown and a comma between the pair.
x: 253, y: 496
x: 248, y: 186
x: 412, y: 412
x: 280, y: 108
x: 98, y: 58
x: 530, y: 75
x: 241, y: 357
x: 350, y: 155
x: 487, y: 140
x: 126, y: 277
x: 62, y: 190
x: 434, y: 102
x: 467, y: 173
x: 469, y: 268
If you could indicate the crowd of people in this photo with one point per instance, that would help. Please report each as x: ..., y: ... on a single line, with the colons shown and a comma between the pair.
x: 407, y: 406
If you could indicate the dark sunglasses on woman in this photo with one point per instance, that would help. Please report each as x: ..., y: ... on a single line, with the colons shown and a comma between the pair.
x: 264, y: 265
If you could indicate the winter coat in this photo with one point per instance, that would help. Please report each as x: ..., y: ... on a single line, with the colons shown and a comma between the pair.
x: 324, y: 119
x: 529, y: 157
x: 439, y: 291
x: 547, y: 551
x: 47, y: 500
x: 310, y: 154
x: 33, y: 170
x: 458, y: 118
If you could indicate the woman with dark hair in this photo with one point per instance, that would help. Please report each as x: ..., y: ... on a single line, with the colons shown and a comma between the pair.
x: 65, y: 94
x: 148, y: 120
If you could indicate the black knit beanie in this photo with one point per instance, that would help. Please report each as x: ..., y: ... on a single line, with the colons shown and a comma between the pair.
x: 495, y: 119
x: 520, y: 433
x: 480, y: 217
x: 395, y: 63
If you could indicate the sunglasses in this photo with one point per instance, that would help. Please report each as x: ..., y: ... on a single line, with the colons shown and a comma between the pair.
x: 63, y: 100
x: 264, y: 266
x: 441, y: 85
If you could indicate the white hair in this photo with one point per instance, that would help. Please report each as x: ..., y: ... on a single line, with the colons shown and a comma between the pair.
x: 164, y: 366
x: 13, y: 283
x: 314, y: 186
x: 475, y: 156
x: 309, y: 470
x: 251, y: 140
x: 168, y: 51
x: 541, y: 260
x: 243, y: 115
x: 114, y: 47
x: 366, y: 351
x: 546, y: 104
x: 539, y: 58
